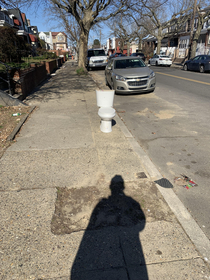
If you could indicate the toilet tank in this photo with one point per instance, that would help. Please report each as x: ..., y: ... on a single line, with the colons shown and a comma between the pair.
x: 105, y: 98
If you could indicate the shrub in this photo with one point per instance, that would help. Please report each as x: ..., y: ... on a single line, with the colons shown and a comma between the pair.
x: 12, y: 46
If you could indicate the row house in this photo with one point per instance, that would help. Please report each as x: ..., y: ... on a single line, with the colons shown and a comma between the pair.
x: 113, y: 45
x: 177, y: 44
x: 54, y: 40
x: 17, y: 20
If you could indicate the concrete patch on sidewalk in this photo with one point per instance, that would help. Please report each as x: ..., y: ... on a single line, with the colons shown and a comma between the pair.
x: 75, y: 209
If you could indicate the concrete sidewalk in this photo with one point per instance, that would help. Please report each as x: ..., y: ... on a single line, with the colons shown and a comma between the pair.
x: 77, y: 203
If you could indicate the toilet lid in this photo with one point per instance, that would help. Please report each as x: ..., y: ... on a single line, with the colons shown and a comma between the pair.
x: 107, y: 111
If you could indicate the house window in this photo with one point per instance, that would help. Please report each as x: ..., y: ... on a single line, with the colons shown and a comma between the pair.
x: 60, y: 38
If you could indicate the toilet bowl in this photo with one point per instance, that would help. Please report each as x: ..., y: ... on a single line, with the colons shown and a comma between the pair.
x: 105, y: 100
x: 106, y: 114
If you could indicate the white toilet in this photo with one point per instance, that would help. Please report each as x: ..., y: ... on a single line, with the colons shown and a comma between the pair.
x: 105, y: 100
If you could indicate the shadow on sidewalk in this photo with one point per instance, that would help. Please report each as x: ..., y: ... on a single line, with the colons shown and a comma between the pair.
x: 111, y: 248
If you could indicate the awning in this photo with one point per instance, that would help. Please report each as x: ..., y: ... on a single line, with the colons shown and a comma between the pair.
x: 33, y: 38
x: 17, y: 22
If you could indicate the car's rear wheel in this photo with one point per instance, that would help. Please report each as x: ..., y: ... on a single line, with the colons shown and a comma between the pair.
x: 156, y: 63
x: 185, y: 67
x: 202, y: 70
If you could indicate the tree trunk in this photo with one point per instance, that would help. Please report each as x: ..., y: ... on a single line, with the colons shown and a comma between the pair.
x: 83, y: 43
x: 128, y: 48
x: 159, y: 39
x: 195, y: 37
x: 122, y: 43
x: 140, y: 45
x: 158, y: 45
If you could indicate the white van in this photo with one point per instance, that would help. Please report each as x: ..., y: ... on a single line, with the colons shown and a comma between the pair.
x: 96, y: 58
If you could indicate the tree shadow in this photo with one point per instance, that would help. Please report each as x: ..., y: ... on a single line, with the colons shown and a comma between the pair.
x: 110, y: 247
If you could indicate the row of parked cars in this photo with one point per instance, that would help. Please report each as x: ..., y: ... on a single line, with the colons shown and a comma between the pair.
x: 130, y: 74
x: 98, y: 58
x: 124, y: 74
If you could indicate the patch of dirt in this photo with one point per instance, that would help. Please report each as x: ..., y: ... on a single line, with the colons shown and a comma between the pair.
x: 8, y: 122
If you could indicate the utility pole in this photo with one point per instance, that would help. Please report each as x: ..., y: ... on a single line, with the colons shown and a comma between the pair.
x: 192, y: 29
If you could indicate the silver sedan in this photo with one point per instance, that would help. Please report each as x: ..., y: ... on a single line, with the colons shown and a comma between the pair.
x: 129, y: 75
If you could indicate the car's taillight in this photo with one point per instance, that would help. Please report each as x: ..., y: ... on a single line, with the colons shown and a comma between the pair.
x: 160, y: 59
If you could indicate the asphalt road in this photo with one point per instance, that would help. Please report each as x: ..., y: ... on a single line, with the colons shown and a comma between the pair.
x: 172, y: 125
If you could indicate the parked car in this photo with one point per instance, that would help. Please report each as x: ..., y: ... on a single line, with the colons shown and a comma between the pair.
x: 160, y: 60
x: 141, y: 55
x: 198, y: 63
x: 96, y: 58
x: 116, y: 54
x: 129, y: 75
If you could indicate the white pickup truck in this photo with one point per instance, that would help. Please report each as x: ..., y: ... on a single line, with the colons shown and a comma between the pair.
x: 96, y: 58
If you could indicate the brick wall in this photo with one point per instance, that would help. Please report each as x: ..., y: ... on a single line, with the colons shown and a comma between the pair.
x: 27, y: 80
x: 50, y: 66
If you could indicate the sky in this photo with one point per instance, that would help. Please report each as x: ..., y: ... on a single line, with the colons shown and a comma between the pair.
x: 37, y: 18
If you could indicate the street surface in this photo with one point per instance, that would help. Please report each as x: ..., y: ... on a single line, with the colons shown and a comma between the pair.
x: 172, y: 125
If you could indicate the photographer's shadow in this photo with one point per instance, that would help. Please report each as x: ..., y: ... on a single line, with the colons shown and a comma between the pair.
x: 111, y: 247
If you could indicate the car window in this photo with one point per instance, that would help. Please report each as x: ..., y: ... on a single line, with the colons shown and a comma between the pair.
x: 128, y: 63
x: 96, y: 53
x: 90, y: 53
x: 196, y: 58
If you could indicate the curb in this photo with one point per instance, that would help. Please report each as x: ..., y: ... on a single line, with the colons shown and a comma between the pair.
x: 19, y: 125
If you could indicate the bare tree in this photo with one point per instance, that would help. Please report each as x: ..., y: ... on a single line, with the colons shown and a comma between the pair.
x: 156, y: 12
x: 121, y: 29
x: 203, y: 15
x: 67, y: 22
x: 126, y: 30
x: 87, y: 14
